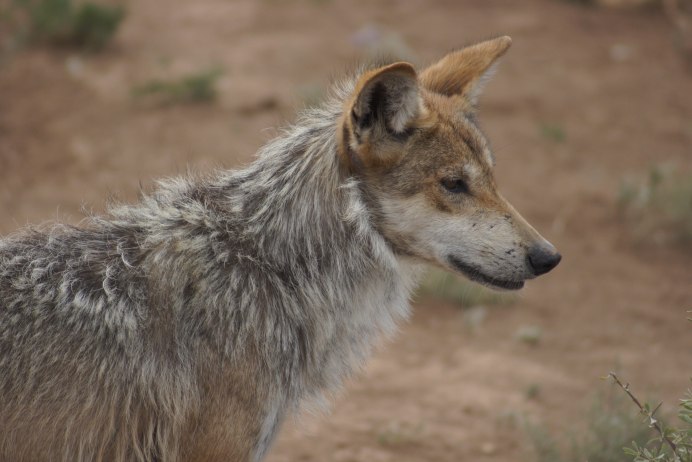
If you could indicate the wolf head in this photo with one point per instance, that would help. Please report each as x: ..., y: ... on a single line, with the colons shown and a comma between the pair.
x: 427, y: 170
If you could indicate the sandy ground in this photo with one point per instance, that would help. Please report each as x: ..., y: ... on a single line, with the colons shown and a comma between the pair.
x: 71, y: 135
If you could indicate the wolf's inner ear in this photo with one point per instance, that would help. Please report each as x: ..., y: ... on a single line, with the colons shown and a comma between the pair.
x: 463, y: 72
x: 386, y: 101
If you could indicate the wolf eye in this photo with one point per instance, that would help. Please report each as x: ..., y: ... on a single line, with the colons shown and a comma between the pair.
x: 456, y: 185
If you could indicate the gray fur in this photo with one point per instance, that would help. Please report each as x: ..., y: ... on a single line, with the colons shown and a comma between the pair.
x: 201, y: 315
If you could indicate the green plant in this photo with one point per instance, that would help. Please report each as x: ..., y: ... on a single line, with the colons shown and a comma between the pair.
x: 443, y: 285
x: 197, y: 87
x: 671, y: 444
x: 658, y: 207
x: 88, y: 26
x: 533, y: 391
x: 545, y: 447
x: 530, y: 335
x: 553, y: 132
x: 581, y: 2
x: 47, y: 18
x: 398, y: 433
x: 94, y: 25
x: 610, y: 425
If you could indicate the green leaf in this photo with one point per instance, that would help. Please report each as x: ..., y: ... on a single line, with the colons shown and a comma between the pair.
x: 630, y: 451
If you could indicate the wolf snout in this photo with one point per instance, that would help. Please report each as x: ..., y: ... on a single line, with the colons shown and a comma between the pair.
x: 543, y: 258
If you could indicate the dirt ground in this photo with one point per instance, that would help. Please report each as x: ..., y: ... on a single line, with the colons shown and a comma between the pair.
x: 71, y: 135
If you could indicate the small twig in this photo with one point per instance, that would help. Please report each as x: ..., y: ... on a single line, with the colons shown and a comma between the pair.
x: 653, y: 423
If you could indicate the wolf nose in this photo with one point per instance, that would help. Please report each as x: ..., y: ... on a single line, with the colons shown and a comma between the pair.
x: 543, y: 259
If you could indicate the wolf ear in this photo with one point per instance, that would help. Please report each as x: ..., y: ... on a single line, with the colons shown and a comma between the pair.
x: 386, y: 98
x: 384, y: 104
x: 463, y: 72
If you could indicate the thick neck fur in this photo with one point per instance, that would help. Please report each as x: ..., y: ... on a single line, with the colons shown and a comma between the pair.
x: 282, y: 258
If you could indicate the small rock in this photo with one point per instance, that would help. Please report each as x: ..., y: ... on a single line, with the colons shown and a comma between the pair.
x: 488, y: 448
x: 530, y: 335
x: 475, y: 316
x: 74, y: 66
x: 621, y: 52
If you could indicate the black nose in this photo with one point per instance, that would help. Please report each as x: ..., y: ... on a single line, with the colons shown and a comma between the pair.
x: 543, y: 258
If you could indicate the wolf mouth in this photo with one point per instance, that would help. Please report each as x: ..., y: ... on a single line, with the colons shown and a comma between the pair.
x: 476, y: 275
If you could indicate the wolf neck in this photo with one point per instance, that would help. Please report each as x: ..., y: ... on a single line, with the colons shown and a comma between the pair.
x: 331, y: 283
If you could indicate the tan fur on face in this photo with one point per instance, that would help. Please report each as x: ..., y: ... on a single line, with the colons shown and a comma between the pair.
x: 405, y: 175
x: 451, y: 86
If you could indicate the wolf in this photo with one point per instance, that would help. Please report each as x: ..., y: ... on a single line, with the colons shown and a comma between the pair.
x: 188, y: 326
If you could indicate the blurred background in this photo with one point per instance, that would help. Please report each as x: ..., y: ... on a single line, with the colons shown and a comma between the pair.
x: 590, y: 116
